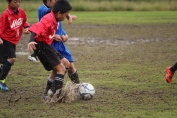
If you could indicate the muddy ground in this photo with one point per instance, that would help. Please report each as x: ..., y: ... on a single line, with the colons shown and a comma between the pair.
x: 113, y: 34
x: 110, y: 56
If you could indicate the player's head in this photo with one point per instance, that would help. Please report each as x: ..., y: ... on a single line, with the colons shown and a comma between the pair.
x: 14, y: 4
x: 49, y: 3
x: 61, y: 9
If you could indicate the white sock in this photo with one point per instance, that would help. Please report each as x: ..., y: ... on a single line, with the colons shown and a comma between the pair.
x: 50, y: 80
x: 74, y: 72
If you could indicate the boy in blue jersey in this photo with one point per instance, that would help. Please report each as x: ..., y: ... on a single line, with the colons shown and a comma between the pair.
x: 58, y: 44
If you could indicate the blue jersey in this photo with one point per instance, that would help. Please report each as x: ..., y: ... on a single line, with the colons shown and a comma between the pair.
x: 42, y: 11
x: 59, y: 46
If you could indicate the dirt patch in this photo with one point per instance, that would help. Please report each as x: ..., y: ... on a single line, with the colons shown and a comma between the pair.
x: 113, y: 34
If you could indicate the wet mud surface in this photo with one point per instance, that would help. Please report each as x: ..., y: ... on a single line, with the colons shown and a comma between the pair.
x: 113, y: 34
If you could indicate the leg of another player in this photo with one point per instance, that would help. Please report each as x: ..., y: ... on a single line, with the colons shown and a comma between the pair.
x: 170, y: 72
x: 4, y: 72
x: 72, y: 73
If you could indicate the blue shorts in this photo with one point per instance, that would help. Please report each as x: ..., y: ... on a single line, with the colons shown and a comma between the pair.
x: 62, y: 49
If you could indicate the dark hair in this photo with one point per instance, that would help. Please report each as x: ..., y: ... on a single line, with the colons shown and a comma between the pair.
x: 62, y: 6
x: 45, y: 1
x: 11, y: 0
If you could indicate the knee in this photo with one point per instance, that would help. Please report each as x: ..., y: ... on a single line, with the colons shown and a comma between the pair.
x: 60, y: 68
x: 65, y: 62
x: 12, y: 60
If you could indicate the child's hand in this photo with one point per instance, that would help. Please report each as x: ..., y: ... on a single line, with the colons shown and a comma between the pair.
x: 57, y: 37
x: 71, y: 18
x: 74, y: 17
x: 26, y: 31
x: 64, y: 38
x: 31, y: 46
x: 1, y: 41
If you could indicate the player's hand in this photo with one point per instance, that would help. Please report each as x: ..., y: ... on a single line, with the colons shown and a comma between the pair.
x: 31, y: 46
x: 69, y: 19
x: 64, y: 38
x: 74, y: 17
x: 57, y: 37
x: 1, y: 41
x: 26, y: 31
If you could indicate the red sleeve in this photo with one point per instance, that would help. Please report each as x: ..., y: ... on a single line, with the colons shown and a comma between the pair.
x: 2, y: 23
x: 41, y: 28
x: 25, y: 24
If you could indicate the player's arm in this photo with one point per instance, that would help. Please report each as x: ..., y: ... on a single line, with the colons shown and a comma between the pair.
x: 2, y: 25
x: 64, y: 35
x: 57, y: 37
x: 32, y: 43
x: 71, y: 18
x: 25, y: 24
x: 1, y: 41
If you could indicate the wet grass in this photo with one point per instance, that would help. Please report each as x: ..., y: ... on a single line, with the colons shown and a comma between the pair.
x: 129, y: 82
x: 117, y: 17
x: 128, y: 75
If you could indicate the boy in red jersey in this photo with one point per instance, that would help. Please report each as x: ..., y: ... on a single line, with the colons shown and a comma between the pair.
x: 12, y: 22
x: 42, y: 34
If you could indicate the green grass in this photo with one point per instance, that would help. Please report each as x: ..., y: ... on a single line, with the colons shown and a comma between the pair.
x: 105, y: 5
x: 128, y: 77
x: 118, y: 18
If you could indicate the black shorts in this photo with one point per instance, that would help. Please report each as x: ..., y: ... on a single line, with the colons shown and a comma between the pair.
x: 7, y: 50
x: 47, y: 55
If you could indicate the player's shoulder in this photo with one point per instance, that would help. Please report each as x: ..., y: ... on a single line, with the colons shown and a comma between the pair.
x: 43, y: 8
x: 21, y: 10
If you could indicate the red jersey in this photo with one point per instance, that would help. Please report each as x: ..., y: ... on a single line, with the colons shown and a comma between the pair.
x: 11, y: 25
x: 45, y: 29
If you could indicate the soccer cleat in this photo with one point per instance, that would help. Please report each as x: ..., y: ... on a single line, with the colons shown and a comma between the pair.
x: 74, y: 77
x: 49, y: 84
x: 169, y: 75
x: 32, y: 58
x: 3, y: 86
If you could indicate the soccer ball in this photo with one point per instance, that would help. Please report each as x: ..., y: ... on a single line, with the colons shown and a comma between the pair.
x: 86, y: 91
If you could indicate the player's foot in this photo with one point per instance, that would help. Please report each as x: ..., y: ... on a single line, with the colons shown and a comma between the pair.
x: 32, y: 58
x: 169, y: 75
x: 44, y: 96
x: 3, y: 86
x: 74, y: 77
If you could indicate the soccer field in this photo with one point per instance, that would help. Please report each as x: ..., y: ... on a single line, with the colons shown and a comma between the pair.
x: 122, y: 54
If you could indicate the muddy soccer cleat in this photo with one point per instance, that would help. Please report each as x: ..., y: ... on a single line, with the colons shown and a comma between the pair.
x: 3, y: 86
x: 74, y: 77
x: 32, y: 59
x: 169, y: 75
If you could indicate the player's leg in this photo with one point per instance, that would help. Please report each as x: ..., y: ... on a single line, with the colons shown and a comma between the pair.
x: 49, y: 82
x: 8, y: 52
x: 59, y: 78
x: 72, y: 73
x: 170, y: 72
x: 33, y: 57
x: 66, y: 63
